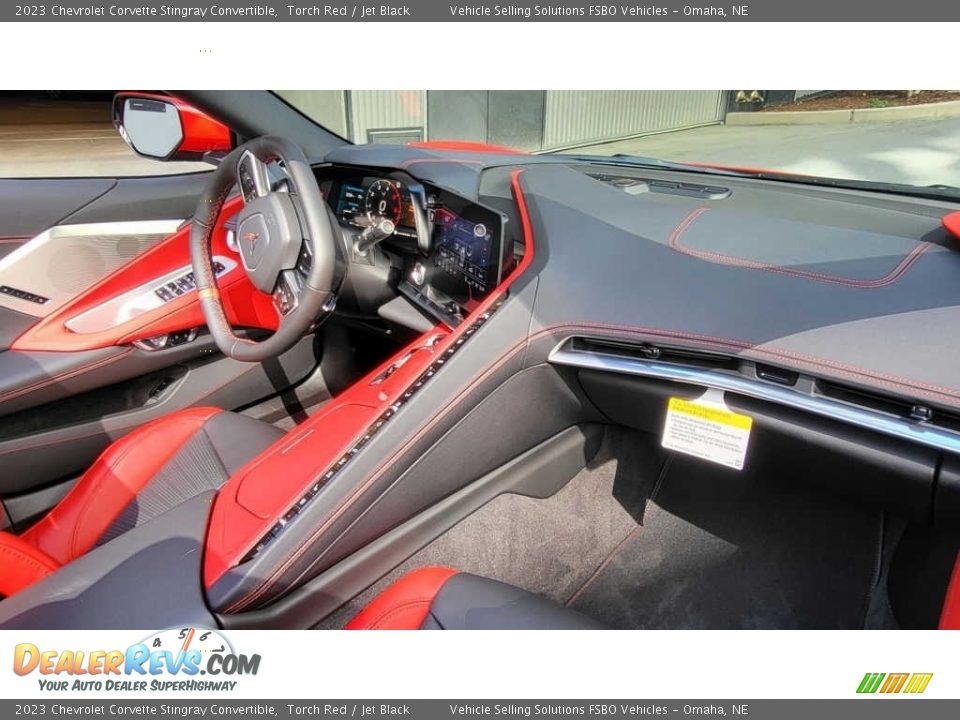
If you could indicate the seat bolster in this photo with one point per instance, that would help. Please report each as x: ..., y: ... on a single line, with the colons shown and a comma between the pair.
x: 437, y: 598
x: 108, y: 486
x: 22, y: 564
x: 404, y: 605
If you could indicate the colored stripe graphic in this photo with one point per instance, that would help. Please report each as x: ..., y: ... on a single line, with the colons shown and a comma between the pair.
x: 894, y: 683
x: 914, y: 683
x: 918, y: 682
x: 870, y: 682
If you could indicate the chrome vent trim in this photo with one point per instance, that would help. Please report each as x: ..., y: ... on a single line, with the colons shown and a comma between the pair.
x: 805, y: 400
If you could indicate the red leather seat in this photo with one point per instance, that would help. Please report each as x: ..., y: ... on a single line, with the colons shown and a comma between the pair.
x: 438, y: 598
x: 145, y: 473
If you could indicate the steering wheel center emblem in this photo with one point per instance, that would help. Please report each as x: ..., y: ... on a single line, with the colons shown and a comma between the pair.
x: 254, y: 234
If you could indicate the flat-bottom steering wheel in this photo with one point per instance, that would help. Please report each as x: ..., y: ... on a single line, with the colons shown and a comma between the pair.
x: 271, y: 231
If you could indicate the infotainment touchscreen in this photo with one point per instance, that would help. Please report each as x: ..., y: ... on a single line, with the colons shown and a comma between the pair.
x: 465, y: 251
x: 465, y: 261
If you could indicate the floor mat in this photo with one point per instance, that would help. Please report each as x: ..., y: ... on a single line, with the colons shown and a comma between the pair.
x: 715, y: 548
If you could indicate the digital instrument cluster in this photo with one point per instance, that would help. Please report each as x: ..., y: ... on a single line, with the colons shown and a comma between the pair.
x: 367, y: 201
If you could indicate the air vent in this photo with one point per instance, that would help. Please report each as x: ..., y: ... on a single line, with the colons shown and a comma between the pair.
x: 919, y: 424
x: 641, y: 185
x: 874, y: 401
x: 661, y: 353
x: 890, y: 405
x: 777, y: 375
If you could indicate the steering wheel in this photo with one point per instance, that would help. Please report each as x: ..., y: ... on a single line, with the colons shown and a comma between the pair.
x: 272, y: 229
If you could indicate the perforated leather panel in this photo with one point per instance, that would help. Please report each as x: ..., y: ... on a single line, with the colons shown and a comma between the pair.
x: 64, y: 261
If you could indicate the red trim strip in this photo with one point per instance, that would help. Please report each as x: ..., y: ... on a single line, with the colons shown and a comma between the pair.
x: 746, y: 169
x: 952, y: 223
x: 467, y: 146
x: 453, y: 161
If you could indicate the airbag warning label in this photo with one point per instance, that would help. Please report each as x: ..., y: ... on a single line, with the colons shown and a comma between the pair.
x: 707, y: 429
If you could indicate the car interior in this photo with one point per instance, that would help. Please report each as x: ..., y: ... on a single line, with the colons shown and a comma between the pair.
x: 327, y: 385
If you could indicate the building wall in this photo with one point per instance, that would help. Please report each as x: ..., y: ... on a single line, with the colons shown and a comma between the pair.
x: 388, y: 115
x: 578, y: 117
x: 532, y: 120
x: 327, y: 107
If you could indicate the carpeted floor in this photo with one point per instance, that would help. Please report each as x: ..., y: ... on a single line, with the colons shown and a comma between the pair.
x: 721, y: 550
x: 636, y: 541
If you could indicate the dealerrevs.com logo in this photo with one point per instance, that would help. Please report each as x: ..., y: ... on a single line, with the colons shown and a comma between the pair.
x: 181, y: 659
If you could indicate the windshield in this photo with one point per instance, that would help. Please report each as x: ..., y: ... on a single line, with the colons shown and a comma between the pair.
x: 903, y: 137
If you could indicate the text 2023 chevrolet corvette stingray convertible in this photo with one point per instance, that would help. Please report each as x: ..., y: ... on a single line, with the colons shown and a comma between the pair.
x: 451, y: 385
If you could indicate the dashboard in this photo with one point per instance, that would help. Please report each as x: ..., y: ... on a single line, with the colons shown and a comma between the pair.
x: 450, y: 252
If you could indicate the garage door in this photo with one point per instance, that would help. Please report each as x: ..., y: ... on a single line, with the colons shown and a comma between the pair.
x: 578, y: 117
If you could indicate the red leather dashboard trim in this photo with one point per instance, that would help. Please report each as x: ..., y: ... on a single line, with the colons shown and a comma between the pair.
x: 279, y: 476
x: 244, y: 304
x: 748, y: 169
x: 22, y: 564
x: 952, y: 223
x: 467, y: 146
x: 108, y: 486
x: 404, y: 605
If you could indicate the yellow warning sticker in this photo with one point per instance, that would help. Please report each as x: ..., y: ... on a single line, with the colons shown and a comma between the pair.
x: 706, y: 428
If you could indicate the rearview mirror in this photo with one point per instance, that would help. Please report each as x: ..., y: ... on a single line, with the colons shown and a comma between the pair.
x: 166, y: 128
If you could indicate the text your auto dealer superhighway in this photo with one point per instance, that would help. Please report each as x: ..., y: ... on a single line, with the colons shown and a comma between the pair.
x: 167, y: 11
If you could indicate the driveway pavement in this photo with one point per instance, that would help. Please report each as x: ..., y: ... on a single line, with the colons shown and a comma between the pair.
x: 917, y: 152
x: 70, y: 139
